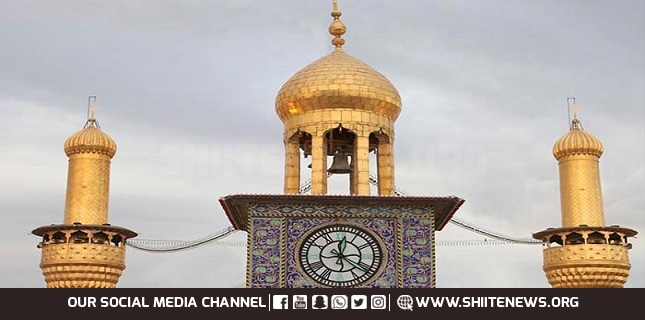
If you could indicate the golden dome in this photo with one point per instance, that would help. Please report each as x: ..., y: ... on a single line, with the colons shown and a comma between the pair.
x: 577, y: 141
x: 90, y: 140
x: 338, y: 80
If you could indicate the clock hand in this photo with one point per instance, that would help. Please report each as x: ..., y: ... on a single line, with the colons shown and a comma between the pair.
x: 334, y: 254
x: 337, y: 255
x: 342, y: 244
x: 354, y: 264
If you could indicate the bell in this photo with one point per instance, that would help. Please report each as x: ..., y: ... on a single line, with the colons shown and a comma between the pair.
x: 340, y: 164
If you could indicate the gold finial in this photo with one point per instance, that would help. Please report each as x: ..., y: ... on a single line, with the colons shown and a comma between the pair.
x: 93, y: 109
x: 337, y: 28
x: 575, y: 110
x: 575, y: 123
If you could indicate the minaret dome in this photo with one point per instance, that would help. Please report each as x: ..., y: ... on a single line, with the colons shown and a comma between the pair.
x: 577, y: 142
x: 90, y: 139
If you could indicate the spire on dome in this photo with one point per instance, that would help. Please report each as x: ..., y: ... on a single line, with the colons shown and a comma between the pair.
x: 577, y: 141
x: 337, y: 28
x: 575, y: 123
x: 90, y: 139
x: 91, y: 110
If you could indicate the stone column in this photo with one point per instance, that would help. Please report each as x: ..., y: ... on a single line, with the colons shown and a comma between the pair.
x: 292, y: 167
x: 385, y: 163
x: 361, y: 166
x: 318, y: 165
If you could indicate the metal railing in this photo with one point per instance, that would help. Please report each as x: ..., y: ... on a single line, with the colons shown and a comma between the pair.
x: 179, y: 245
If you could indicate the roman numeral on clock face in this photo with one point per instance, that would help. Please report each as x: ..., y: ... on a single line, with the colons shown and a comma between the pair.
x: 326, y: 274
x: 365, y: 266
x: 363, y: 246
x: 316, y: 265
x: 327, y: 237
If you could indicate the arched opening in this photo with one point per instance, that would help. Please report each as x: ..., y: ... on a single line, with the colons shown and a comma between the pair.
x: 374, y: 141
x: 340, y: 153
x: 615, y: 238
x: 596, y: 238
x: 59, y: 237
x: 555, y: 240
x: 350, y: 163
x: 574, y: 238
x: 117, y: 240
x: 79, y: 237
x: 100, y: 238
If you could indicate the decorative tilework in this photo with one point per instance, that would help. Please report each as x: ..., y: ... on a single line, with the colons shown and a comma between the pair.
x: 373, y: 209
x: 417, y: 252
x: 265, y: 253
x: 406, y: 235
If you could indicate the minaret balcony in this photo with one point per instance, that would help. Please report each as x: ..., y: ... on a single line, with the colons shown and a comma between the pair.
x: 82, y: 256
x: 586, y: 257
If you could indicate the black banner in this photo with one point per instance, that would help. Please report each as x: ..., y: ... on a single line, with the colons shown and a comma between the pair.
x: 411, y: 303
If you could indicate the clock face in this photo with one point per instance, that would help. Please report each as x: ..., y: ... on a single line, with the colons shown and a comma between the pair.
x: 340, y: 255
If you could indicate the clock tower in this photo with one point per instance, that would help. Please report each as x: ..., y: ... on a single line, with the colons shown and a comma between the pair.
x: 339, y: 108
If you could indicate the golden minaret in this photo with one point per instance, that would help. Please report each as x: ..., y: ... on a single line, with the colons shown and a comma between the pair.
x: 583, y: 253
x: 338, y: 107
x: 85, y: 251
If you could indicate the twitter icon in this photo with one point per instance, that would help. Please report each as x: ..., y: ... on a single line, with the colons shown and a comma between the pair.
x: 359, y: 302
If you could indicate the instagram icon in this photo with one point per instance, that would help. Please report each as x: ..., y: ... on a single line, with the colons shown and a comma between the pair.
x: 378, y: 301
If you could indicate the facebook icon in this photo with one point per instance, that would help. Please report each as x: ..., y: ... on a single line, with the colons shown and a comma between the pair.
x: 280, y: 301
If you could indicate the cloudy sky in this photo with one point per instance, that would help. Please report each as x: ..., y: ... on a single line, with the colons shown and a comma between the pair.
x: 187, y: 89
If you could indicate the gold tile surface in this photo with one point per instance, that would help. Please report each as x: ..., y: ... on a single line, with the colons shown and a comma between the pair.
x: 580, y: 191
x: 88, y: 184
x: 587, y: 266
x: 338, y: 80
x: 85, y: 265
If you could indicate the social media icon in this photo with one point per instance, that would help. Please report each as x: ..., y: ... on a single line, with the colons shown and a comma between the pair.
x: 319, y: 302
x: 280, y: 301
x: 378, y: 302
x: 359, y: 302
x: 405, y: 302
x: 339, y: 302
x: 299, y: 302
